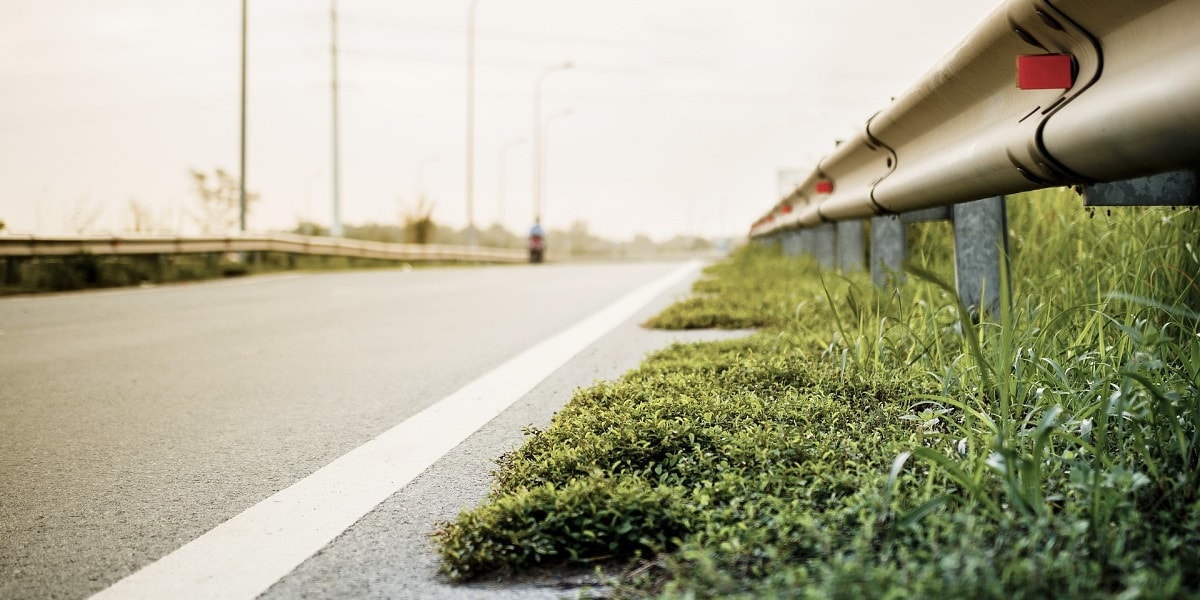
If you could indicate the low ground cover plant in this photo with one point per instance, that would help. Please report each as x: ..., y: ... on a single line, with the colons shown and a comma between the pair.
x: 91, y: 271
x: 884, y: 443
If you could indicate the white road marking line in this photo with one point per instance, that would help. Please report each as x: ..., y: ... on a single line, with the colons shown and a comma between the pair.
x: 247, y: 554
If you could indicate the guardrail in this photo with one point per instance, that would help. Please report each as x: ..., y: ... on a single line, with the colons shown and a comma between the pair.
x: 1043, y: 93
x: 17, y: 246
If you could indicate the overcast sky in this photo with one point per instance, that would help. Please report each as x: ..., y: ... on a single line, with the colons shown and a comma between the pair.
x: 682, y: 111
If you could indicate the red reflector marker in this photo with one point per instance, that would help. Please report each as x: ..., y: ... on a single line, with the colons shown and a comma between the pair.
x: 1045, y: 72
x: 786, y: 209
x: 825, y: 186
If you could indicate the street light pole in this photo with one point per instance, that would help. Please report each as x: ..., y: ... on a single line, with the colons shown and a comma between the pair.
x: 471, y: 122
x: 336, y: 229
x: 537, y: 136
x: 513, y: 143
x: 242, y: 149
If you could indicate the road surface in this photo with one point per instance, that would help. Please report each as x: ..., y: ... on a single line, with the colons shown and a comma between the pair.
x: 133, y: 422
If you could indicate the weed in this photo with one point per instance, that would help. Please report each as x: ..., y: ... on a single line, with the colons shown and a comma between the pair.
x: 886, y: 444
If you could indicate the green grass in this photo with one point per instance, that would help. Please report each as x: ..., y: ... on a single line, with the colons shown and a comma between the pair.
x: 92, y: 271
x: 876, y: 443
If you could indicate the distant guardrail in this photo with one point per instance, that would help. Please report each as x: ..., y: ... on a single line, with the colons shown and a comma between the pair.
x: 1043, y: 93
x: 17, y: 246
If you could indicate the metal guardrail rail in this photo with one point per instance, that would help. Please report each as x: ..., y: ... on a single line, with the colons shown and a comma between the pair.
x: 34, y: 246
x: 1130, y: 107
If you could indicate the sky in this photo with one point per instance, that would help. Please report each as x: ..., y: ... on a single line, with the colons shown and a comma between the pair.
x: 681, y: 112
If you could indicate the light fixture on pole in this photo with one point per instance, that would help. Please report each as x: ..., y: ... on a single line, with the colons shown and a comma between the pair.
x: 537, y: 135
x: 545, y: 153
x: 471, y: 122
x: 509, y: 145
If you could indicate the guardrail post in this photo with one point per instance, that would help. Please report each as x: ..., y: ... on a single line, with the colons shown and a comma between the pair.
x: 808, y: 242
x: 889, y: 242
x: 162, y: 266
x: 889, y: 248
x: 851, y: 251
x: 212, y: 263
x: 825, y: 245
x: 12, y: 270
x: 937, y: 213
x: 1177, y: 188
x: 791, y: 244
x: 980, y: 234
x: 767, y: 241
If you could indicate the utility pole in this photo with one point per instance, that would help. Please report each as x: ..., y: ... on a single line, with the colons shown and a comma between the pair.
x: 336, y: 229
x: 471, y: 122
x: 242, y: 151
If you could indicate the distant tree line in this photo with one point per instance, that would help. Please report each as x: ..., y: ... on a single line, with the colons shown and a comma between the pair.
x: 218, y: 205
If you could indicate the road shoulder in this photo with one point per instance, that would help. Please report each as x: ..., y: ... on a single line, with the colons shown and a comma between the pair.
x: 388, y: 553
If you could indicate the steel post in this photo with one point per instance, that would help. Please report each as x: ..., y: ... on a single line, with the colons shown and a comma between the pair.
x: 889, y: 249
x: 808, y: 242
x: 791, y: 244
x: 980, y: 235
x: 12, y: 270
x: 1177, y: 188
x: 825, y: 245
x: 851, y: 249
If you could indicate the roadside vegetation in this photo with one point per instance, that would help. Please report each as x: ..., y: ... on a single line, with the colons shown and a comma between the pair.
x: 216, y: 211
x: 93, y: 271
x: 881, y: 444
x: 577, y: 241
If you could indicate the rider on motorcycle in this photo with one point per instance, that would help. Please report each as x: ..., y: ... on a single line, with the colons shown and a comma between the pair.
x: 537, y: 242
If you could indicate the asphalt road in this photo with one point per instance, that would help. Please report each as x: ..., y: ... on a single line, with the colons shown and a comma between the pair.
x: 134, y: 421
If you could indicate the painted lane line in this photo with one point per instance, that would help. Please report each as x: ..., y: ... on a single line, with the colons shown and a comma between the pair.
x: 247, y: 554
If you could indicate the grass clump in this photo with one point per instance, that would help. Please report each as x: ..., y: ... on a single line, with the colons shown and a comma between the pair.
x: 883, y: 444
x: 95, y: 271
x: 738, y: 295
x: 589, y: 519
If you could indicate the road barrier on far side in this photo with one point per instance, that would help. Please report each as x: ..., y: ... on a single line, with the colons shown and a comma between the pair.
x: 32, y: 263
x: 35, y: 246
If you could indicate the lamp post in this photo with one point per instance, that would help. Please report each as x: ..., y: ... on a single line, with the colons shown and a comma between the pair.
x: 471, y: 121
x: 242, y: 147
x: 537, y: 135
x: 509, y: 145
x: 545, y: 152
x: 335, y: 230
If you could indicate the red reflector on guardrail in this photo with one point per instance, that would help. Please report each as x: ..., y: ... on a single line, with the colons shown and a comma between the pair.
x: 1045, y: 72
x: 786, y: 209
x: 825, y: 186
